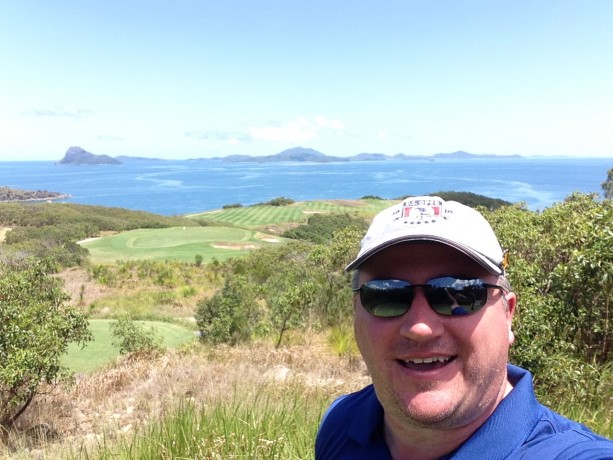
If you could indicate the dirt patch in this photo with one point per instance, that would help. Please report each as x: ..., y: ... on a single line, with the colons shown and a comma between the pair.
x: 280, y: 228
x: 101, y: 235
x: 347, y: 202
x: 86, y: 240
x: 3, y: 232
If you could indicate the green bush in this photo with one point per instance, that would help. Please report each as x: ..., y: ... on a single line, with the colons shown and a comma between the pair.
x: 131, y: 337
x: 230, y: 316
x: 279, y: 201
x: 607, y: 185
x: 320, y: 228
x: 561, y: 267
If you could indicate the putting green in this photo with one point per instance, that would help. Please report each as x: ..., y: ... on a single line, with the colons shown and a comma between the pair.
x: 177, y: 243
x: 101, y: 351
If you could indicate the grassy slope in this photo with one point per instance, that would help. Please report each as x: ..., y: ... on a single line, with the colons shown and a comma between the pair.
x: 102, y: 351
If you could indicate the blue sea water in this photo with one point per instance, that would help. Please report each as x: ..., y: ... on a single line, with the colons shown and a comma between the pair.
x: 190, y: 186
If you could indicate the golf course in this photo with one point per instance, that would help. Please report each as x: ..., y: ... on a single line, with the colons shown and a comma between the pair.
x: 221, y: 235
x: 231, y: 232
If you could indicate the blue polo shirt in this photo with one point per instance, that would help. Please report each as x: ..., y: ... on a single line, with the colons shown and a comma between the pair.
x: 520, y: 427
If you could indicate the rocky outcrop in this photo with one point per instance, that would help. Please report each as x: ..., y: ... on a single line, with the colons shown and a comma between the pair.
x: 78, y: 156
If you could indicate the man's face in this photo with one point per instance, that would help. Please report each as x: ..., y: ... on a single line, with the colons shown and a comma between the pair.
x: 431, y: 370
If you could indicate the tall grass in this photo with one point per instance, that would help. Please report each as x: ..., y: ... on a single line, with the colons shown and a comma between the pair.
x: 269, y: 422
x: 591, y: 403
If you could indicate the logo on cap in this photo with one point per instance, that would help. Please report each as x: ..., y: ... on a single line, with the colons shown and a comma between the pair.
x: 422, y: 211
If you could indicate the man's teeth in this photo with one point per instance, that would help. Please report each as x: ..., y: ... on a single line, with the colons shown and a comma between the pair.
x: 441, y: 359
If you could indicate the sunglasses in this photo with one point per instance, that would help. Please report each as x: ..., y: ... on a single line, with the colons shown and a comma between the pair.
x: 447, y: 296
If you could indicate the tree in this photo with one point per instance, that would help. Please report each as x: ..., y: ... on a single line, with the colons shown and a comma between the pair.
x: 607, y: 185
x: 35, y: 329
x: 329, y: 261
x: 231, y: 315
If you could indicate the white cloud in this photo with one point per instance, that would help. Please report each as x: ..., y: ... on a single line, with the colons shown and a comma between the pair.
x: 229, y: 136
x: 58, y: 111
x: 296, y: 131
x: 109, y: 137
x: 332, y: 124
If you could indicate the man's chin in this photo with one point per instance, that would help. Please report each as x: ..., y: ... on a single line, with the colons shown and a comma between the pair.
x: 432, y: 409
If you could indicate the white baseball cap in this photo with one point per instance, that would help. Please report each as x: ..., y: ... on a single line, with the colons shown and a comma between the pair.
x: 430, y: 218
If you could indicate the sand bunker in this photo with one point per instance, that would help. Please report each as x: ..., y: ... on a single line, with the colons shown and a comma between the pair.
x: 236, y: 246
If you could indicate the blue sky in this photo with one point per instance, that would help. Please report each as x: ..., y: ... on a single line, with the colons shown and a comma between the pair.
x: 189, y: 79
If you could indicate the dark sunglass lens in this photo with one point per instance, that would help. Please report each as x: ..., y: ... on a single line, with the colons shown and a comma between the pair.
x: 386, y: 298
x: 452, y: 296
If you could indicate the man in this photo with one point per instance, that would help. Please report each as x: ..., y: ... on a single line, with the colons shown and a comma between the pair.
x: 433, y: 313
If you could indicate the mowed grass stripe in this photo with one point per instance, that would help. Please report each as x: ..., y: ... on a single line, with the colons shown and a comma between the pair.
x: 257, y: 216
x: 177, y: 243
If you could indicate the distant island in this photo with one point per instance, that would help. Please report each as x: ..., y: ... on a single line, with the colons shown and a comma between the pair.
x: 310, y: 155
x: 77, y: 155
x: 14, y: 194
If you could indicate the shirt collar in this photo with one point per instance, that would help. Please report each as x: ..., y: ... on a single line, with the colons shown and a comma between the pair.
x: 505, y: 430
x: 510, y: 423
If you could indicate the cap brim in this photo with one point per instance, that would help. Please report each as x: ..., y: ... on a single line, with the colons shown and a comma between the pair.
x: 486, y: 263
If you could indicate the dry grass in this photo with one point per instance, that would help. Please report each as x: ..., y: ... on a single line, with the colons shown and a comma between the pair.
x: 81, y: 287
x: 125, y: 397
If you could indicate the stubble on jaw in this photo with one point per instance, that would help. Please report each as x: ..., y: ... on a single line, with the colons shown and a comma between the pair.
x: 452, y: 415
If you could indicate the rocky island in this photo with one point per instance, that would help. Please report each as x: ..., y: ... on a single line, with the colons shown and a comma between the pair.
x: 79, y: 156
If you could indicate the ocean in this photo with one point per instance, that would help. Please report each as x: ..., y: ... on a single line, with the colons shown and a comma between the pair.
x: 180, y: 187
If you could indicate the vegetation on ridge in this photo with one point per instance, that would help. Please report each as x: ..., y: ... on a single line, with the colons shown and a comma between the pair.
x: 15, y: 194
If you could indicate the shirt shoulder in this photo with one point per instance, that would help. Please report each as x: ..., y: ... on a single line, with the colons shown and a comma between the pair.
x: 522, y: 428
x: 352, y: 429
x: 559, y: 438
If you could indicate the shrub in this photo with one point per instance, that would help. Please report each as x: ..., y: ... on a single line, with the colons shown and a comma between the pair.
x: 561, y: 266
x: 279, y: 201
x: 131, y: 337
x: 320, y: 228
x: 230, y: 316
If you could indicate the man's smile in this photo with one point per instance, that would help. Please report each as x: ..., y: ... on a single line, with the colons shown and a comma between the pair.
x: 425, y: 364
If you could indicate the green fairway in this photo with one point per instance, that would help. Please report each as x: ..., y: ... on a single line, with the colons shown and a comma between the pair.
x: 259, y: 216
x: 177, y: 243
x: 101, y: 351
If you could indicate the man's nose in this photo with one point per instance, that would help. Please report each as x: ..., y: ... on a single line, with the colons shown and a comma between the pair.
x: 421, y: 322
